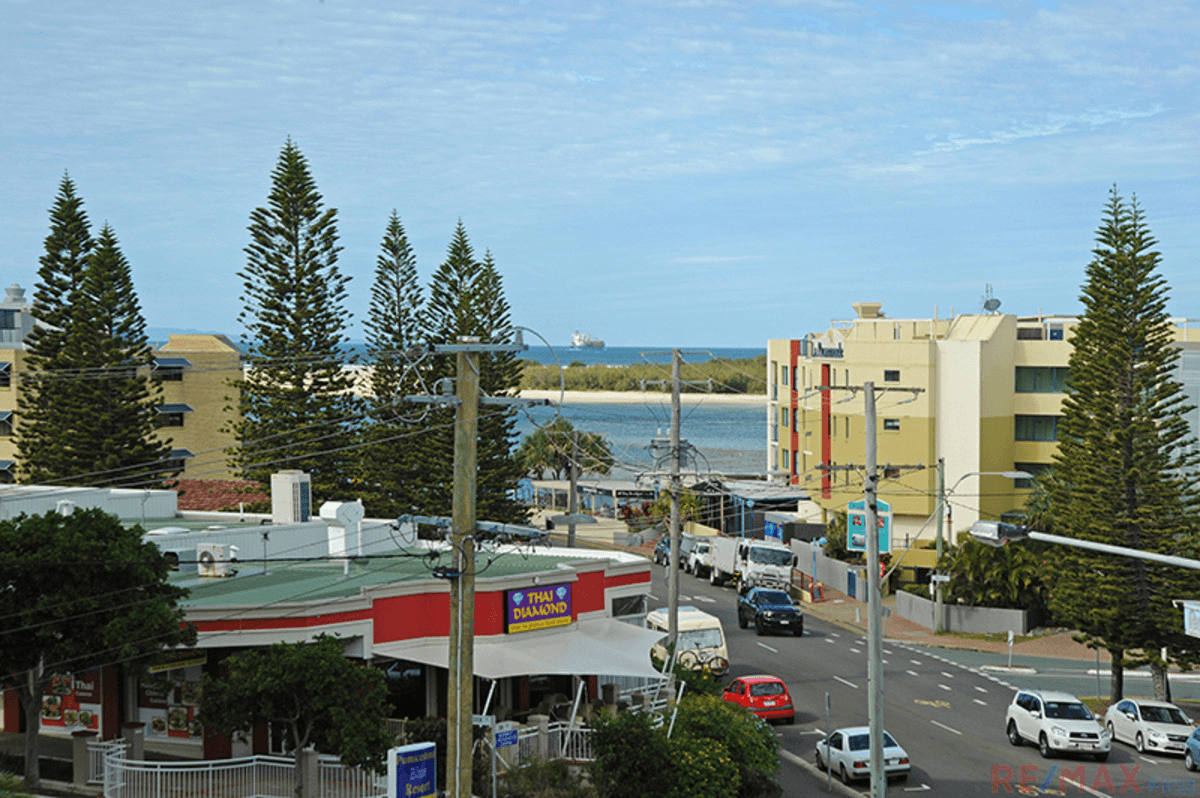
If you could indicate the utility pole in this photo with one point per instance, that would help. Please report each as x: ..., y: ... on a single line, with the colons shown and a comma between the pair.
x: 460, y: 696
x: 571, y: 508
x: 937, y: 604
x: 875, y: 604
x: 673, y: 577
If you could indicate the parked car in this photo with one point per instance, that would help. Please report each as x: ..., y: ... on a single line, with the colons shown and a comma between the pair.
x: 848, y: 752
x: 770, y: 610
x: 1056, y: 722
x: 1156, y: 726
x: 1192, y: 755
x: 699, y: 559
x: 765, y: 696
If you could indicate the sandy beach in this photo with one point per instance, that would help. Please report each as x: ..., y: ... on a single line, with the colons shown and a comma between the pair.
x: 643, y: 397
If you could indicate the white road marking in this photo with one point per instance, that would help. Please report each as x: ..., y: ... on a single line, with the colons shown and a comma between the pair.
x: 768, y: 648
x: 947, y: 728
x: 885, y: 651
x: 948, y: 675
x: 981, y: 689
x: 703, y: 598
x: 944, y: 687
x: 980, y: 702
x: 916, y: 662
x: 922, y: 788
x: 856, y: 650
x: 843, y: 681
x: 884, y: 661
x: 912, y: 673
x: 829, y: 640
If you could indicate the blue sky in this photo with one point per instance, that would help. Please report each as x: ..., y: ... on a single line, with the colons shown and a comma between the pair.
x: 687, y: 173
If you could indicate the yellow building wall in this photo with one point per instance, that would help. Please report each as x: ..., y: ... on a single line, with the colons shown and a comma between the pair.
x: 215, y: 362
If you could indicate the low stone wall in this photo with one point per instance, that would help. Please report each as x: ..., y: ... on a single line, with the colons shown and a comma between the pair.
x: 960, y: 618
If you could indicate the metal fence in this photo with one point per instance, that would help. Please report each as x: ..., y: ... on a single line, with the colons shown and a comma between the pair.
x: 247, y: 777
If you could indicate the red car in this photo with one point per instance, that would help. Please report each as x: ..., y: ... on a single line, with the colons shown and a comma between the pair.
x: 765, y: 696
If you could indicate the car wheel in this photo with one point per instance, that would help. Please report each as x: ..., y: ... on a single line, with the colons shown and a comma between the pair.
x: 1014, y: 736
x: 1043, y: 746
x: 1103, y: 757
x: 1139, y: 743
x: 842, y: 772
x: 712, y: 578
x: 798, y: 632
x: 758, y: 628
x: 1112, y: 735
x: 821, y: 762
x: 791, y: 721
x: 1188, y: 762
x: 742, y: 622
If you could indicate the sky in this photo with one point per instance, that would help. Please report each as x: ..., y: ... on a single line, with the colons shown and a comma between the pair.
x: 692, y: 173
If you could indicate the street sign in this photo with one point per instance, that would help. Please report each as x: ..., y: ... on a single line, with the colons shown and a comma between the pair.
x: 483, y: 720
x: 506, y: 738
x: 940, y: 578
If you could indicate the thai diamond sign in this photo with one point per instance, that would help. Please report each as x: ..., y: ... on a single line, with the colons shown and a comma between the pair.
x: 537, y: 608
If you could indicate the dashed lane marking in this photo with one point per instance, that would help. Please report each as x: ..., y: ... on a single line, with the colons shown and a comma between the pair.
x: 947, y: 728
x: 844, y: 681
x: 768, y: 648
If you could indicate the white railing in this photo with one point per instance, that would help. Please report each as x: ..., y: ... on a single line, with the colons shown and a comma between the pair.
x: 247, y: 777
x: 98, y: 750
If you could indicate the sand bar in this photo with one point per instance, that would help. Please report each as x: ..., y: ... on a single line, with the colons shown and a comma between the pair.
x: 644, y: 397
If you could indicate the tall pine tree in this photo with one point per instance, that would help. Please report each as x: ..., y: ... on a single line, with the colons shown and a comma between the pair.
x: 122, y: 401
x: 87, y: 407
x: 47, y: 424
x: 466, y: 298
x: 1126, y: 467
x: 297, y: 408
x: 390, y: 466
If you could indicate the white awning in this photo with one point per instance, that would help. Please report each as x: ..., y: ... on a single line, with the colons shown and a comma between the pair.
x: 600, y: 646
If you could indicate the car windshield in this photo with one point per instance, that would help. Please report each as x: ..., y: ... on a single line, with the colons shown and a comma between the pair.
x: 861, y: 742
x: 767, y: 688
x: 699, y: 638
x: 770, y: 556
x: 773, y: 597
x: 1067, y: 710
x: 1165, y: 715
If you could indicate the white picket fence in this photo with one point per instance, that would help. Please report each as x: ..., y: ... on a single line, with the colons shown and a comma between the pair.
x: 246, y: 777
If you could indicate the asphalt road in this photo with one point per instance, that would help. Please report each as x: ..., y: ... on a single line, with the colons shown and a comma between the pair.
x: 948, y: 715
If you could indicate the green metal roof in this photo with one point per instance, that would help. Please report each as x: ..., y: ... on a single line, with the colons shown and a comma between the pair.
x: 301, y: 582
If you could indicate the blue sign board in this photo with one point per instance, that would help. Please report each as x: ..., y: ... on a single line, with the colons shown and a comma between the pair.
x: 856, y: 526
x: 412, y: 771
x: 774, y: 530
x: 506, y: 738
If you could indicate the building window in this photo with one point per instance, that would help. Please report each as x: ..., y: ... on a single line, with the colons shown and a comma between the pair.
x: 1036, y: 428
x: 785, y: 459
x: 783, y: 417
x: 1029, y: 468
x: 171, y: 415
x: 6, y: 471
x: 169, y: 369
x: 6, y: 423
x: 891, y: 375
x: 784, y: 371
x: 5, y: 375
x: 8, y: 319
x: 833, y: 429
x: 177, y: 460
x: 891, y: 424
x: 1041, y: 379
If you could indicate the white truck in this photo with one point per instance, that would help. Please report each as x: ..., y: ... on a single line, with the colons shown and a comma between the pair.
x: 750, y: 562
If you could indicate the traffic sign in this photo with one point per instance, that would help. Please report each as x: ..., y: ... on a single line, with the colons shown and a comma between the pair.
x: 506, y: 738
x: 483, y: 720
x: 940, y: 578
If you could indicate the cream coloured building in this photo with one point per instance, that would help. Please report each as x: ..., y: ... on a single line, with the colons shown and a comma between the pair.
x: 194, y: 371
x: 983, y: 392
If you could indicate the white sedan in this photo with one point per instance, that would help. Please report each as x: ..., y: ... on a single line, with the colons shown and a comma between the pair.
x: 1149, y: 726
x: 848, y: 753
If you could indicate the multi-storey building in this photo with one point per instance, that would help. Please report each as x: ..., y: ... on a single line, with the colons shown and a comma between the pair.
x: 195, y: 371
x: 981, y: 392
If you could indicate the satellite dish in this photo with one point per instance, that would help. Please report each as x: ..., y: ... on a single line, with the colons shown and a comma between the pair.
x: 991, y: 305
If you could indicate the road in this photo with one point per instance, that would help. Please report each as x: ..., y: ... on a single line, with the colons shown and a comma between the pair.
x: 948, y: 715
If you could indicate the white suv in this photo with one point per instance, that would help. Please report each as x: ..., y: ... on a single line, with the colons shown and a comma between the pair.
x: 1057, y: 722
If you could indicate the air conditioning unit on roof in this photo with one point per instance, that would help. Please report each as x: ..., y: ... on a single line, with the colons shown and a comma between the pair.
x: 213, y: 559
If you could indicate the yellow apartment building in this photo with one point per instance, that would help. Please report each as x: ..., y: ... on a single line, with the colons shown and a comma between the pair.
x: 983, y: 392
x: 194, y: 371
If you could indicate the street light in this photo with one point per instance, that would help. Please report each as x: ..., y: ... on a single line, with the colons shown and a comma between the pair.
x: 997, y: 533
x: 944, y: 519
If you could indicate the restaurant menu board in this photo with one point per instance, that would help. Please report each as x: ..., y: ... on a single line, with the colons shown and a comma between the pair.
x: 71, y: 702
x: 537, y: 608
x: 168, y: 704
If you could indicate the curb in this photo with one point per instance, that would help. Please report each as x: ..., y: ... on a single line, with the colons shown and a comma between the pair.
x: 838, y: 787
x: 1015, y: 670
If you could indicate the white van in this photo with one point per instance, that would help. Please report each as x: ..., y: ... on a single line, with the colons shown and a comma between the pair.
x: 701, y: 639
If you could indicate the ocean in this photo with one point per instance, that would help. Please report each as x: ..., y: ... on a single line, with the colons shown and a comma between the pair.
x: 726, y: 439
x: 627, y: 355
